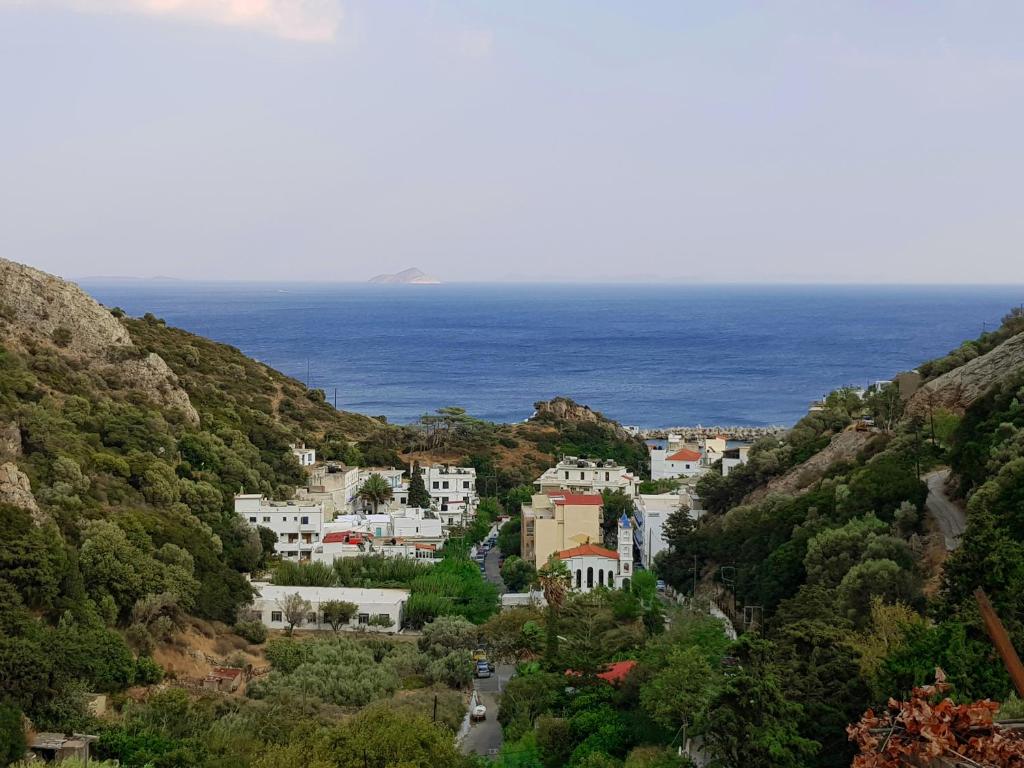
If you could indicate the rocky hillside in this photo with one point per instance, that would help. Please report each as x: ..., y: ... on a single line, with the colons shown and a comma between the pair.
x: 42, y: 312
x: 955, y: 390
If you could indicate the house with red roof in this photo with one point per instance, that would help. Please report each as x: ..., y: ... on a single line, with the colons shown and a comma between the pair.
x: 673, y: 460
x: 615, y: 673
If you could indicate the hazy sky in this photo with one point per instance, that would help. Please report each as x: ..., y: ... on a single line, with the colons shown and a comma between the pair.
x: 328, y: 139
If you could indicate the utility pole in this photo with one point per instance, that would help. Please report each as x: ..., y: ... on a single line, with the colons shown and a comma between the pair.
x: 335, y: 398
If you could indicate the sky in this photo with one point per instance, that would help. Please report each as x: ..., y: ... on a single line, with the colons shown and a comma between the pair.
x: 331, y: 140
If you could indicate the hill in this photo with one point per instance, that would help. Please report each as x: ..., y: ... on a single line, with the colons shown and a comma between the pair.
x: 822, y: 542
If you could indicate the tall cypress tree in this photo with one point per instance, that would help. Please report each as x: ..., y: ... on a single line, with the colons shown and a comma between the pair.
x: 418, y: 496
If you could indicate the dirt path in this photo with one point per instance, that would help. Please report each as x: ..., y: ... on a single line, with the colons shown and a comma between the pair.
x: 948, y: 516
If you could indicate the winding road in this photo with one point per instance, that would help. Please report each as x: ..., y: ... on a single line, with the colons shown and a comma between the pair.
x: 947, y: 514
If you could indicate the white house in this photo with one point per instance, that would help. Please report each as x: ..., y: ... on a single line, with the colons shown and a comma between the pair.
x: 306, y: 456
x: 395, y: 480
x: 586, y: 476
x: 591, y: 566
x: 416, y: 523
x: 268, y: 606
x: 669, y: 462
x: 452, y: 491
x: 298, y: 525
x: 734, y: 457
x: 335, y: 486
x: 651, y: 512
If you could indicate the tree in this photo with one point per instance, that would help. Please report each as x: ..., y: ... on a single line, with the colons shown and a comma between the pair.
x: 418, y: 495
x: 554, y: 580
x: 12, y: 735
x: 518, y: 574
x: 295, y: 609
x: 615, y: 504
x: 750, y: 722
x: 679, y: 692
x: 338, y: 613
x: 449, y: 633
x: 375, y: 491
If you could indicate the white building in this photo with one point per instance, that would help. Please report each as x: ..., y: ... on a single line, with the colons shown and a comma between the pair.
x: 395, y: 480
x: 651, y: 513
x: 452, y: 492
x: 734, y: 457
x: 585, y: 476
x: 297, y: 524
x: 335, y: 486
x: 415, y: 523
x: 306, y: 456
x: 591, y: 566
x: 268, y: 606
x: 674, y: 462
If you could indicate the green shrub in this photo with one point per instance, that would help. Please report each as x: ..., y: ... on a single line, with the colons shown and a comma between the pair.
x: 252, y: 630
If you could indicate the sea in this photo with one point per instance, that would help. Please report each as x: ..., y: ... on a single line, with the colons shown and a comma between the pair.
x: 645, y: 355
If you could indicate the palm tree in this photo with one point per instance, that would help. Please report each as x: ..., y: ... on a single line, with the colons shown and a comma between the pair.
x: 375, y: 490
x: 555, y: 580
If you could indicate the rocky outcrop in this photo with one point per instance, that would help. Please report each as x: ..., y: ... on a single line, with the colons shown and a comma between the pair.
x: 37, y: 308
x: 566, y: 410
x: 16, y: 490
x: 10, y: 441
x: 957, y: 389
x: 843, y: 447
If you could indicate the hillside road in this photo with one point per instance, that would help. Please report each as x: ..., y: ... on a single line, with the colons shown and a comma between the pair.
x: 948, y: 516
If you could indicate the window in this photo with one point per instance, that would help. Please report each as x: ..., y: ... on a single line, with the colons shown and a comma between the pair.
x: 582, y: 476
x: 590, y: 578
x: 567, y: 475
x: 311, y: 618
x: 304, y: 520
x: 252, y: 519
x: 607, y: 477
x: 275, y: 616
x: 600, y: 577
x: 465, y: 484
x: 579, y: 577
x: 364, y: 618
x: 436, y: 485
x: 445, y: 485
x: 402, y: 500
x: 266, y: 518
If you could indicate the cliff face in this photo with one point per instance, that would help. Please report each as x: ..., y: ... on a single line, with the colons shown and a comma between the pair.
x: 958, y: 388
x: 37, y: 309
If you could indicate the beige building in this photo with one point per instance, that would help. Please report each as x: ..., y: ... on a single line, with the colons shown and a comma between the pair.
x: 586, y: 476
x: 558, y: 520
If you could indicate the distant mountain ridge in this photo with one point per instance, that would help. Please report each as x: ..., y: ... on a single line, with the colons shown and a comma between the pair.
x: 411, y: 276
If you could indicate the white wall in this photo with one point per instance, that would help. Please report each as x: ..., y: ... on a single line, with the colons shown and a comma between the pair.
x: 267, y: 605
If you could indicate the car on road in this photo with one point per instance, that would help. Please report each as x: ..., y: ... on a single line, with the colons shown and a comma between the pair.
x: 479, y: 713
x: 483, y: 669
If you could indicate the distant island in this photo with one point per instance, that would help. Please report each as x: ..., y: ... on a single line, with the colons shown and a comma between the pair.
x: 411, y: 276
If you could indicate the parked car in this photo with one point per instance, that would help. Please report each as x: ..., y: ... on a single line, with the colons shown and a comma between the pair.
x: 479, y: 655
x: 660, y: 585
x: 479, y: 713
x: 483, y: 669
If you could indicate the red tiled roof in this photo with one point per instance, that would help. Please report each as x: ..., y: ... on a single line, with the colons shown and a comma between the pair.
x: 342, y: 537
x: 685, y: 454
x: 614, y: 673
x: 588, y: 550
x: 578, y: 499
x: 618, y: 671
x: 228, y: 673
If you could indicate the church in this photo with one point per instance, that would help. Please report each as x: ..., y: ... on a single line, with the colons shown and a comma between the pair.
x: 592, y: 566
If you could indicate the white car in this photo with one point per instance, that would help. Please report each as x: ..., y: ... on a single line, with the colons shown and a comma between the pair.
x: 479, y: 713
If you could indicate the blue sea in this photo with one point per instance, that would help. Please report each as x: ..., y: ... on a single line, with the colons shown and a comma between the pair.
x: 647, y: 355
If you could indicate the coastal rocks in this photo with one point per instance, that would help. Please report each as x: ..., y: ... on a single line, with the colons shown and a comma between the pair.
x: 843, y: 447
x: 957, y: 389
x: 39, y: 309
x: 564, y: 409
x: 16, y: 490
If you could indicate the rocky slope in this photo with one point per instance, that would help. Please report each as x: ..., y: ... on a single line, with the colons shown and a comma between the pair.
x: 958, y: 388
x: 563, y: 410
x: 40, y: 310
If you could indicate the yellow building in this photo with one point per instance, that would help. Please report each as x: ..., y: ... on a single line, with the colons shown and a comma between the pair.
x: 559, y: 520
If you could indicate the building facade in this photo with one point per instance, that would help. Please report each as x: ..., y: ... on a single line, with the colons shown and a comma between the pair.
x: 591, y: 566
x: 452, y: 492
x: 556, y: 521
x: 269, y: 606
x: 587, y: 477
x: 298, y: 525
x: 306, y: 456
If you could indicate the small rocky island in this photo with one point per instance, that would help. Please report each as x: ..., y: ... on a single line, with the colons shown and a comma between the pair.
x: 411, y: 276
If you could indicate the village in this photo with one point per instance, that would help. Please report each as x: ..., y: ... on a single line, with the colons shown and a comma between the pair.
x: 346, y: 512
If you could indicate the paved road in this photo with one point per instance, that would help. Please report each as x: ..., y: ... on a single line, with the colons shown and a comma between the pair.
x: 948, y: 516
x: 486, y: 738
x: 493, y: 571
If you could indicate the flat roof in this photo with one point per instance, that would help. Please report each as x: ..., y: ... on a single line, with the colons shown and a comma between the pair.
x: 323, y: 594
